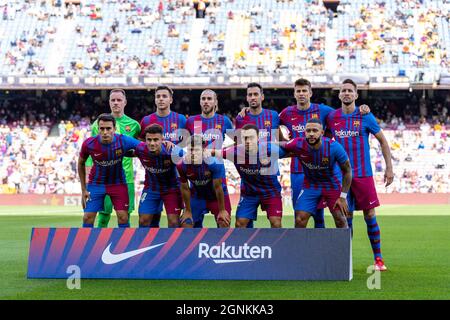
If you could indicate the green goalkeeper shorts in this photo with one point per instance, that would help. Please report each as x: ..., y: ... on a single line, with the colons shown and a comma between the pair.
x: 131, y: 195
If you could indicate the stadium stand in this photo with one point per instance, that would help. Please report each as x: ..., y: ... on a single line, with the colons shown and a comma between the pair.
x: 255, y: 37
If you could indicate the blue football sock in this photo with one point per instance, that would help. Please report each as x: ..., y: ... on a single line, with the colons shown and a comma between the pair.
x: 319, y: 219
x: 350, y: 224
x: 124, y: 225
x: 88, y: 225
x: 155, y: 221
x: 373, y: 231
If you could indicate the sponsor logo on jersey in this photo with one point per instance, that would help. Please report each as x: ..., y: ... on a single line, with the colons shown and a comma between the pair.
x: 299, y: 128
x: 346, y: 133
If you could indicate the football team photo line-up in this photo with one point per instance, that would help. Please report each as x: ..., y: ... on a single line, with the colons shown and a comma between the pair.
x: 185, y: 172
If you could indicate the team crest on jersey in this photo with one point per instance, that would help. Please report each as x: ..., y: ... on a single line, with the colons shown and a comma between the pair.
x: 356, y: 123
x: 267, y: 123
x: 127, y: 128
x: 208, y: 174
x: 173, y: 126
x: 218, y: 126
x: 315, y: 116
x: 167, y: 163
x: 118, y: 152
x: 325, y: 160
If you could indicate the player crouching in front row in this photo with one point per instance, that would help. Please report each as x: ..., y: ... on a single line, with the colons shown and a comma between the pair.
x: 321, y: 159
x: 208, y: 191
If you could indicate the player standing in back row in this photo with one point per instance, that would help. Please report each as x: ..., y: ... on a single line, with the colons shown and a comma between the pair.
x: 171, y: 122
x: 352, y: 130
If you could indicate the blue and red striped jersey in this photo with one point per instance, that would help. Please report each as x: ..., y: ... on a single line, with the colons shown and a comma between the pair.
x: 107, y: 158
x: 295, y: 120
x: 212, y: 129
x: 160, y: 171
x: 171, y: 124
x: 266, y: 121
x: 201, y: 178
x: 320, y: 166
x: 352, y: 132
x: 259, y: 173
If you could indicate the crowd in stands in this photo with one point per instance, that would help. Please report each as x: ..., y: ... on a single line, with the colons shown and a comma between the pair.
x: 154, y: 37
x: 38, y: 150
x: 411, y: 33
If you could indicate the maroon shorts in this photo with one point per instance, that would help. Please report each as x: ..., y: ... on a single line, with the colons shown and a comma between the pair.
x: 363, y: 194
x: 273, y: 206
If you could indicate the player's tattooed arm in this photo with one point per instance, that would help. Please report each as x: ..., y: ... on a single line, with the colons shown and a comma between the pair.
x: 386, y: 150
x: 186, y: 194
x: 346, y: 169
x: 82, y: 175
x: 224, y: 217
x: 341, y: 203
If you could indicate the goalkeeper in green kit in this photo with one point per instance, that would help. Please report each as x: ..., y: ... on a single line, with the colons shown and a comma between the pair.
x: 126, y: 126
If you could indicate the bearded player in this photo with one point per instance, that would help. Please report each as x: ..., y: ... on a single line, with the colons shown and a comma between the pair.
x: 352, y: 131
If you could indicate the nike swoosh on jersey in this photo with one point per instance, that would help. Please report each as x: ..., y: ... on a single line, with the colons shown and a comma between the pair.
x: 97, y: 154
x: 111, y: 258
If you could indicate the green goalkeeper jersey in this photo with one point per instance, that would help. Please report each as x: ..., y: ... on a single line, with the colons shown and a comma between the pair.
x: 126, y: 126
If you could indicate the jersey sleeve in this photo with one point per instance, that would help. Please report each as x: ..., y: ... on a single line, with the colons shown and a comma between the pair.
x: 339, y: 152
x: 142, y: 125
x: 218, y: 171
x: 227, y: 123
x: 94, y: 132
x: 276, y: 120
x: 136, y: 130
x: 324, y: 112
x: 189, y: 126
x: 282, y: 116
x: 372, y: 124
x: 130, y: 143
x: 291, y: 145
x: 182, y: 121
x: 239, y: 122
x: 84, y: 151
x: 276, y: 149
x: 181, y: 173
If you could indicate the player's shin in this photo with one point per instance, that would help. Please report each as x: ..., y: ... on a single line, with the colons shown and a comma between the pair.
x: 155, y: 221
x: 89, y: 219
x: 301, y: 219
x: 241, y: 222
x: 350, y: 222
x: 373, y: 231
x: 340, y: 220
x: 275, y: 222
x: 122, y: 219
x: 103, y: 220
x: 173, y: 220
x: 319, y: 219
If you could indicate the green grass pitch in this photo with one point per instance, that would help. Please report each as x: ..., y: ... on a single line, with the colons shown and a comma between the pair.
x: 415, y: 246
